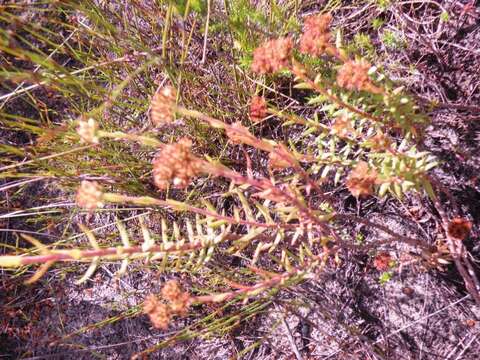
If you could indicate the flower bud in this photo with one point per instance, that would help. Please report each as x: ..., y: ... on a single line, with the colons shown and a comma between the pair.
x: 89, y: 195
x: 88, y: 131
x: 459, y: 228
x: 258, y: 109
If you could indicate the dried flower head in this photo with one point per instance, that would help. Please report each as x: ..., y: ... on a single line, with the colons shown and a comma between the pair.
x: 176, y: 163
x: 342, y: 126
x: 382, y: 261
x: 179, y: 300
x: 258, y: 109
x: 272, y: 56
x: 88, y: 131
x: 150, y: 304
x: 318, y: 23
x: 181, y: 304
x: 316, y: 37
x: 162, y: 107
x: 353, y: 75
x: 407, y: 290
x: 361, y: 179
x: 470, y: 322
x: 459, y: 228
x: 171, y: 290
x: 161, y: 316
x: 89, y: 195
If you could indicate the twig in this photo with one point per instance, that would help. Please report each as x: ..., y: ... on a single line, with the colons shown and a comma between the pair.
x: 205, y: 36
x: 21, y: 182
x: 45, y: 157
x: 403, y: 328
x: 126, y: 58
x: 459, y: 254
x: 291, y: 340
x: 474, y: 337
x: 461, y: 342
x: 20, y: 86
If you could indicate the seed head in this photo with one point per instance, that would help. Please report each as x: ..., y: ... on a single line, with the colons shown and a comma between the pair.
x: 316, y: 37
x: 179, y: 300
x: 258, y: 109
x: 150, y: 304
x: 175, y: 163
x: 272, y: 56
x: 89, y: 195
x: 361, y: 179
x: 87, y: 129
x: 161, y: 316
x: 459, y: 228
x: 171, y: 290
x: 353, y: 75
x: 162, y: 107
x: 181, y: 304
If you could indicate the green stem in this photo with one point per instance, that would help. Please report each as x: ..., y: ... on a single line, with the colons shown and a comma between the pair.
x: 118, y: 135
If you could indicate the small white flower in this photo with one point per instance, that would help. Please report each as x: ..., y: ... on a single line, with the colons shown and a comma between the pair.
x: 88, y: 131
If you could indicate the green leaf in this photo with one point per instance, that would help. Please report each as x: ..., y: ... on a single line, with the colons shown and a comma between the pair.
x: 398, y: 190
x: 383, y: 189
x: 431, y: 165
x: 429, y: 189
x: 385, y: 277
x: 302, y: 86
x: 325, y: 171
